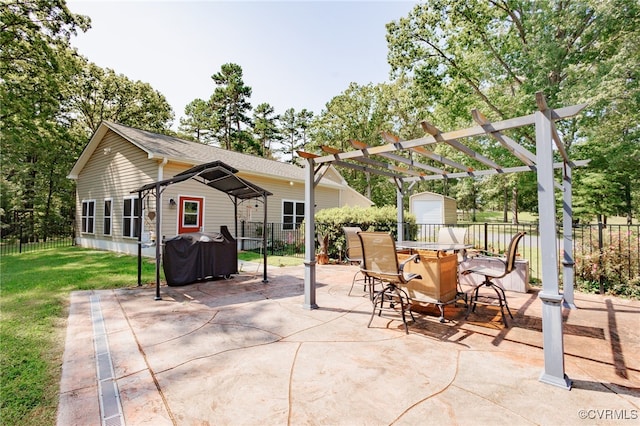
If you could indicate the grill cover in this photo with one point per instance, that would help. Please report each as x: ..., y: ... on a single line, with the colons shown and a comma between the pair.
x: 196, y: 256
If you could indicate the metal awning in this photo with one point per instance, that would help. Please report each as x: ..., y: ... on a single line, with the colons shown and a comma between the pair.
x: 216, y: 175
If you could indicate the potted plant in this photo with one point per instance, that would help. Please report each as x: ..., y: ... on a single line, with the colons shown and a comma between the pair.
x: 323, y: 256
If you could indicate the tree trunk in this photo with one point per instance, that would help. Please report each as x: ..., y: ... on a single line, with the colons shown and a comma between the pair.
x: 627, y: 201
x: 475, y: 203
x: 368, y: 185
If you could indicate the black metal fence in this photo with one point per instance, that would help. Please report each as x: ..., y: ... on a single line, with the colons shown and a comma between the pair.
x: 605, y: 255
x: 282, y: 239
x: 20, y: 232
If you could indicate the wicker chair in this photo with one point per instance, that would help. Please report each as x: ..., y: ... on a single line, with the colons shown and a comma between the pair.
x: 380, y: 262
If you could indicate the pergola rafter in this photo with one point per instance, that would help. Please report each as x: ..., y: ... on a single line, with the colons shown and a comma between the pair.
x: 364, y: 147
x: 426, y: 153
x: 542, y: 162
x: 455, y: 143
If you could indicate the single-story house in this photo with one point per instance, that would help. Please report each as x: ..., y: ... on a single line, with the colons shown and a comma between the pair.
x: 120, y: 159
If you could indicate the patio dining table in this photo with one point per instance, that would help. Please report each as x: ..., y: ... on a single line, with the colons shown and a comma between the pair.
x: 431, y: 246
x: 437, y: 264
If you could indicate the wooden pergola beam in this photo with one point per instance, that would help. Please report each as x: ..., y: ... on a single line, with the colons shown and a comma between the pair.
x: 542, y: 106
x: 455, y: 143
x: 374, y: 163
x: 526, y: 156
x: 365, y: 149
x: 391, y: 138
x: 556, y: 114
x: 488, y: 172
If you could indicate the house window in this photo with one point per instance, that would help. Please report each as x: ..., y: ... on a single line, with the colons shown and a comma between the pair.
x: 190, y: 217
x: 130, y: 218
x: 88, y: 216
x: 107, y: 217
x: 292, y: 214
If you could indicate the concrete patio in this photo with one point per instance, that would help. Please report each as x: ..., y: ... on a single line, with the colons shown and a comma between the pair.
x: 240, y: 352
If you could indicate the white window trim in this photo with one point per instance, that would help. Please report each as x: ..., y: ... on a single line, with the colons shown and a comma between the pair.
x: 110, y: 216
x: 133, y: 216
x: 82, y: 216
x: 295, y: 202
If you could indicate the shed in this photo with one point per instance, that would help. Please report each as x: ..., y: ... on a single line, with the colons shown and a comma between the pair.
x: 429, y: 207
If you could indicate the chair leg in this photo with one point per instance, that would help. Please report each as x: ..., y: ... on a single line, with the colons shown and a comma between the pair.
x: 402, y: 297
x: 473, y: 295
x: 353, y: 282
x: 375, y: 303
x: 502, y: 300
x: 441, y: 308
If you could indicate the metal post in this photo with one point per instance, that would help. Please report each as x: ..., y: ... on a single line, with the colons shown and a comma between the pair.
x: 264, y: 242
x: 567, y: 231
x: 400, y: 214
x: 551, y: 300
x: 486, y: 236
x: 140, y: 241
x: 159, y: 241
x: 600, y: 252
x: 309, y: 238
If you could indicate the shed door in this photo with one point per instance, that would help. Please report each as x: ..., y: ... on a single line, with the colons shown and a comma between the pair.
x: 428, y: 211
x: 190, y: 215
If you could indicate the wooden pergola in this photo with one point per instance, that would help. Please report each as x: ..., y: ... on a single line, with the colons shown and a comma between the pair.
x: 406, y: 171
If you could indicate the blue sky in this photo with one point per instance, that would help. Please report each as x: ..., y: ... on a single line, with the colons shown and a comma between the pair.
x: 294, y: 54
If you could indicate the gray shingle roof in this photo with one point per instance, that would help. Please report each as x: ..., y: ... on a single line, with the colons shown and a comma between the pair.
x: 197, y: 153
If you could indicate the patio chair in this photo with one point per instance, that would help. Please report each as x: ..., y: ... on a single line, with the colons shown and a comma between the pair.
x: 491, y: 274
x: 380, y: 262
x: 353, y: 255
x: 453, y: 235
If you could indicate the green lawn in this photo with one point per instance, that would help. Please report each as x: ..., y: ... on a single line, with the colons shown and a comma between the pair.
x: 34, y: 297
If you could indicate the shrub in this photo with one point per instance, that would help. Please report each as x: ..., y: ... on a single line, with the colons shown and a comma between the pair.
x: 616, y: 266
x: 330, y: 222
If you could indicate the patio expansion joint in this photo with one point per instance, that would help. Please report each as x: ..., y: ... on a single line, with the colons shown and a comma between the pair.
x: 165, y: 402
x: 214, y: 354
x: 432, y: 395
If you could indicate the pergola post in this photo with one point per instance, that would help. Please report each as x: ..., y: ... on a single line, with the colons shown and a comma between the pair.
x: 309, y: 237
x: 567, y: 230
x: 552, y: 332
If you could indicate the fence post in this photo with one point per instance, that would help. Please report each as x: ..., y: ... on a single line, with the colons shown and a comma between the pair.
x: 242, y: 234
x: 600, y: 245
x: 20, y: 240
x: 486, y: 233
x: 272, y: 239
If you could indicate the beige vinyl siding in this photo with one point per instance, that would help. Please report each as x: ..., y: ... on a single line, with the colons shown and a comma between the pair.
x: 115, y: 169
x: 219, y: 208
x: 112, y: 166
